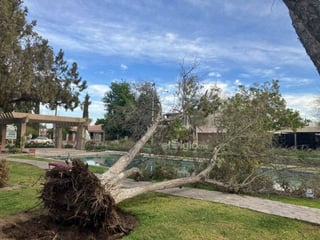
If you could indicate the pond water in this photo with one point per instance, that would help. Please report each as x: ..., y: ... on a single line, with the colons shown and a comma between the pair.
x: 293, y: 177
x: 146, y: 163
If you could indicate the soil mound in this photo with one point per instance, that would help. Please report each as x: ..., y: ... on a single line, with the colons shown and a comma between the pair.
x: 77, y: 207
x: 42, y: 227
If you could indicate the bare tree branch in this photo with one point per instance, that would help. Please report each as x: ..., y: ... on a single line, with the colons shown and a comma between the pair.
x: 122, y: 194
x: 126, y: 159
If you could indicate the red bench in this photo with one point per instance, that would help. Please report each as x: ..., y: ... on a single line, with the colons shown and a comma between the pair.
x: 32, y: 151
x: 59, y: 164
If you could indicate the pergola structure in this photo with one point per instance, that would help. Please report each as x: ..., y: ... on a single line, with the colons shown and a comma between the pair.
x: 21, y: 119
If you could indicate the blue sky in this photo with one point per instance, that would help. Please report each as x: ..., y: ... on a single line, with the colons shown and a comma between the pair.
x: 235, y: 42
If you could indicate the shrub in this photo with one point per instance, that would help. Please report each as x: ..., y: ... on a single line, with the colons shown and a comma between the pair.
x: 262, y: 184
x: 43, y: 145
x: 4, y: 173
x: 164, y: 170
x: 93, y: 146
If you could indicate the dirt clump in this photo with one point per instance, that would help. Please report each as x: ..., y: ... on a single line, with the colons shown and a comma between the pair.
x: 77, y: 206
x: 42, y: 227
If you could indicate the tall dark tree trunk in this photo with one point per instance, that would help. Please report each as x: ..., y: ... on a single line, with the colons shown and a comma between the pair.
x: 305, y: 16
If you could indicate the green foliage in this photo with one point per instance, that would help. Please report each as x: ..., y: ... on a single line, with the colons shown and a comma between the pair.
x: 98, y: 169
x: 174, y: 130
x: 68, y: 146
x: 29, y: 74
x: 32, y: 129
x: 188, y: 94
x: 96, y: 147
x: 146, y: 109
x: 246, y: 122
x: 193, y: 106
x: 129, y: 113
x: 119, y: 101
x: 4, y: 173
x: 66, y: 84
x: 30, y: 157
x: 14, y: 149
x: 158, y: 170
x: 42, y: 145
x: 85, y: 106
x: 164, y: 171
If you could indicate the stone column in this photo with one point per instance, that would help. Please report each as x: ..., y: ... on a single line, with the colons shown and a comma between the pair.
x: 3, y: 136
x: 22, y: 134
x: 80, y: 137
x: 58, y: 136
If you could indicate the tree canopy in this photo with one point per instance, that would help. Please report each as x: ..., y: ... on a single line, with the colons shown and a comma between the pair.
x: 246, y: 123
x: 30, y: 73
x: 129, y: 111
x: 118, y: 102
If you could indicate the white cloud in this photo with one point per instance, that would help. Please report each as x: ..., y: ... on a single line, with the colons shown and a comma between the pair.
x: 109, y: 35
x: 295, y: 82
x: 256, y: 41
x: 96, y: 110
x: 214, y: 74
x: 97, y: 90
x: 237, y: 82
x: 123, y: 67
x: 306, y: 104
x: 226, y: 89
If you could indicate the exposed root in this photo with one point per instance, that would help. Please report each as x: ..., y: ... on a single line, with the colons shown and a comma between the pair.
x: 75, y: 196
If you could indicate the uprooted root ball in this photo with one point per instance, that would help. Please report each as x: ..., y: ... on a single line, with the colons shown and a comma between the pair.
x: 75, y: 196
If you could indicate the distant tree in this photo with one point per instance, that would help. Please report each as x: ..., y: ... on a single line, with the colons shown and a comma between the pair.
x: 172, y: 130
x: 146, y: 109
x: 66, y: 85
x: 85, y: 106
x: 188, y: 95
x: 193, y: 106
x: 130, y: 110
x: 100, y: 121
x: 119, y: 103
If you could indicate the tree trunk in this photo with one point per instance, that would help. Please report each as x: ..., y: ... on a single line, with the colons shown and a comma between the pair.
x: 114, y: 176
x: 305, y: 16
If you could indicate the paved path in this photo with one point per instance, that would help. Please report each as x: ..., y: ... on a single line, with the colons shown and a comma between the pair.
x: 307, y: 214
x: 40, y: 164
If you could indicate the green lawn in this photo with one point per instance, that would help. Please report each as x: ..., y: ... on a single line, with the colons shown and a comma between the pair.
x: 95, y: 169
x: 29, y: 157
x: 26, y: 180
x: 166, y: 217
x: 314, y: 203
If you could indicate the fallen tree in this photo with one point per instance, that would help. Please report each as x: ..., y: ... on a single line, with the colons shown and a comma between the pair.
x: 113, y: 177
x: 75, y: 196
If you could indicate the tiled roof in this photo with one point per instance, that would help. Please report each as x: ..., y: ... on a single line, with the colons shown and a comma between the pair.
x: 95, y: 128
